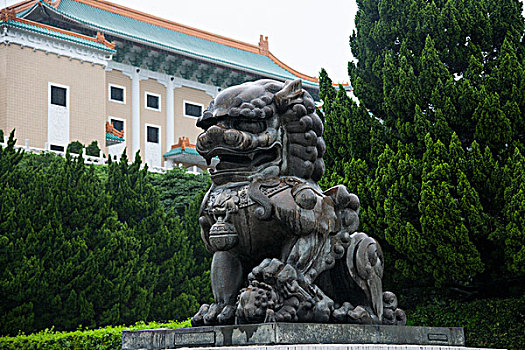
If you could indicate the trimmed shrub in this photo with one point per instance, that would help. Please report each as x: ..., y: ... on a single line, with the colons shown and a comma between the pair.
x: 108, y: 338
x: 75, y: 147
x: 92, y: 149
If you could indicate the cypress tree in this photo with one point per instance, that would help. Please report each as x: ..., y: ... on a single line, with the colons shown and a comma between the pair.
x: 79, y: 249
x: 514, y: 211
x: 444, y: 81
x: 493, y: 127
x: 167, y: 253
x: 177, y: 188
x: 65, y: 252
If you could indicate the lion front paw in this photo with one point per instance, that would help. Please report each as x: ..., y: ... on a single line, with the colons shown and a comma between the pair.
x: 227, y: 315
x: 213, y: 314
x: 198, y: 319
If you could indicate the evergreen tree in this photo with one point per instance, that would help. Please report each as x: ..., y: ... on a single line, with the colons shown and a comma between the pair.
x: 80, y: 249
x: 177, y: 188
x: 167, y: 252
x: 514, y: 211
x: 443, y: 82
x: 200, y: 273
x: 64, y: 253
x: 493, y: 127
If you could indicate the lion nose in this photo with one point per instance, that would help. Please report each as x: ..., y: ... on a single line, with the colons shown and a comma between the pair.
x: 206, y: 120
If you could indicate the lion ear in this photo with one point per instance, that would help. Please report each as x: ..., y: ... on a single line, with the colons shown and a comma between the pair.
x: 291, y: 90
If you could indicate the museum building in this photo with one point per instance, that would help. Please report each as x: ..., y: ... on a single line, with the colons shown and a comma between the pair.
x: 92, y: 70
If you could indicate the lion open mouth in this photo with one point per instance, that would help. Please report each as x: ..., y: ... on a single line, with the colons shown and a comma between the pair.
x: 230, y: 160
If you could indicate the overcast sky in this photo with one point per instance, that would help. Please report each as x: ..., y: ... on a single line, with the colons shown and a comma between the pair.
x: 307, y: 35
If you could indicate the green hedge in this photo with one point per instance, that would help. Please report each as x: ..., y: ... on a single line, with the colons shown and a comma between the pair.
x: 496, y: 323
x: 108, y: 338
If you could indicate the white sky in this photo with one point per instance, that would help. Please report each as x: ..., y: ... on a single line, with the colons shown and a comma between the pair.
x: 307, y: 35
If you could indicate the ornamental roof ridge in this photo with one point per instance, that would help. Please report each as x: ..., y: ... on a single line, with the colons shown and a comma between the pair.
x: 7, y: 17
x: 183, y: 143
x: 7, y: 14
x: 110, y: 129
x: 291, y: 70
x: 22, y: 6
x: 52, y: 3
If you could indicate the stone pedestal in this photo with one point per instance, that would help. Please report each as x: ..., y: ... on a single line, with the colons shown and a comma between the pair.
x: 293, y: 335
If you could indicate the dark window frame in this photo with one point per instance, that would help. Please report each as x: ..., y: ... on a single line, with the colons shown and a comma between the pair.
x: 192, y: 104
x: 57, y: 100
x: 57, y: 148
x: 156, y: 139
x: 147, y: 101
x: 117, y: 87
x: 113, y: 120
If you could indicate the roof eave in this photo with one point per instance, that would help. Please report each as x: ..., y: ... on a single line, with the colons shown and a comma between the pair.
x: 28, y: 11
x: 175, y: 50
x: 23, y: 5
x: 71, y: 39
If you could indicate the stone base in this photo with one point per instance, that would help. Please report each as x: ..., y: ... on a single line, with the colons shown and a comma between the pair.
x: 296, y: 333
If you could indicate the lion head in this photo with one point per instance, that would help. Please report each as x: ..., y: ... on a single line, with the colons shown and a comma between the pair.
x: 262, y: 128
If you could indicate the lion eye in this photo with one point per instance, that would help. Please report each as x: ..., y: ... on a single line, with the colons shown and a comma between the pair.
x: 251, y: 126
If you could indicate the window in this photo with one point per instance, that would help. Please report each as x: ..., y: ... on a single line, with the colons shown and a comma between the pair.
x: 57, y: 148
x: 117, y: 124
x: 58, y: 100
x: 193, y: 110
x: 152, y: 101
x: 153, y: 134
x: 117, y: 93
x: 58, y: 96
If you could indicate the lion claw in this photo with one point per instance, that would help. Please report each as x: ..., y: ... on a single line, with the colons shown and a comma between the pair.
x: 213, y: 314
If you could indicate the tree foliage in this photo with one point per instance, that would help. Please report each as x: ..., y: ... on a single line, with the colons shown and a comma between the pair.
x: 488, y: 323
x: 78, y: 249
x: 177, y: 188
x: 434, y: 148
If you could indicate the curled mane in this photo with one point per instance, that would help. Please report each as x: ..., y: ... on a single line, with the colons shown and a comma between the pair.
x: 304, y: 132
x: 301, y: 124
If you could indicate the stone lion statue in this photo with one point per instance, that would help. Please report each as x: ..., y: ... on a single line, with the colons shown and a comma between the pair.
x: 283, y: 249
